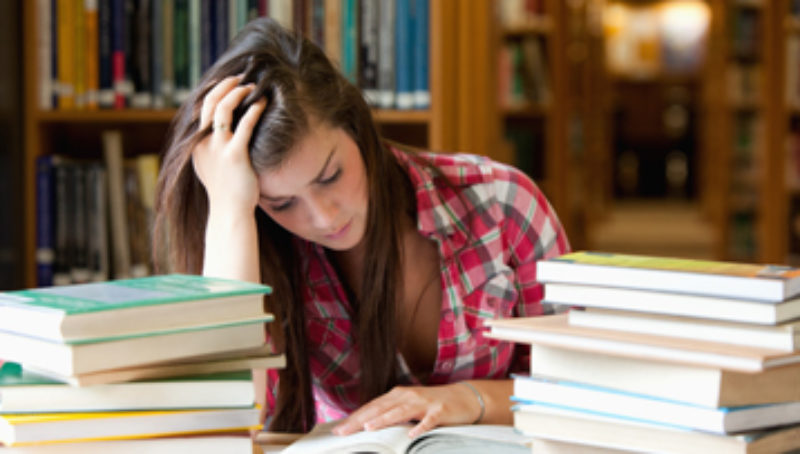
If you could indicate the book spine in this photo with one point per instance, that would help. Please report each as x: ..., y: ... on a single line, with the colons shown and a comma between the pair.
x: 317, y: 23
x: 368, y: 51
x: 388, y: 54
x: 206, y: 34
x: 97, y: 202
x: 112, y: 153
x: 92, y: 53
x: 54, y: 48
x: 221, y: 28
x: 157, y: 46
x: 282, y: 12
x: 168, y: 53
x: 118, y: 58
x: 45, y: 221
x: 105, y: 94
x: 77, y: 196
x: 61, y: 275
x: 333, y: 31
x: 181, y: 50
x: 350, y: 40
x: 195, y: 49
x: 80, y: 53
x: 142, y: 97
x: 422, y: 94
x: 45, y: 43
x: 404, y: 43
x: 66, y: 54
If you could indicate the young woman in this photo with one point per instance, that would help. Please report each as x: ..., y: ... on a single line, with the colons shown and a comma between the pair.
x: 384, y: 263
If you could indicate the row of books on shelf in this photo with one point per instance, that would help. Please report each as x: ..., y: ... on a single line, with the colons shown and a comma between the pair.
x: 93, y: 217
x: 149, y: 54
x: 523, y: 77
x: 154, y: 364
x: 668, y: 355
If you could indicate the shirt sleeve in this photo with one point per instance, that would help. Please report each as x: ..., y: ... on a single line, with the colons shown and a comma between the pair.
x: 531, y: 232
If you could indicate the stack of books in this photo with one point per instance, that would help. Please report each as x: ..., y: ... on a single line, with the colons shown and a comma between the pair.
x: 667, y: 355
x: 161, y: 363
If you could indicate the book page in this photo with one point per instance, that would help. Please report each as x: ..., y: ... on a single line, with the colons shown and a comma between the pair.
x: 391, y: 440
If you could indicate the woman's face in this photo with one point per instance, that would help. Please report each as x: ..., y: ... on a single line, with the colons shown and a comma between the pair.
x: 319, y: 192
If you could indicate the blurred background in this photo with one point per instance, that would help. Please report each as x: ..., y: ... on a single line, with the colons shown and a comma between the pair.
x: 667, y: 127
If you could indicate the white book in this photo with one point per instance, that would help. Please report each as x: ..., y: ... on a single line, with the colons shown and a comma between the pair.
x: 28, y: 392
x: 693, y: 384
x: 608, y: 402
x: 785, y: 337
x: 554, y: 330
x: 673, y: 275
x: 73, y: 427
x: 206, y: 444
x: 586, y: 429
x: 656, y: 302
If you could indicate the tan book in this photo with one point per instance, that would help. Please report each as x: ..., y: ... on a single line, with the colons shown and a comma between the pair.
x: 692, y: 384
x: 556, y: 331
x: 259, y: 358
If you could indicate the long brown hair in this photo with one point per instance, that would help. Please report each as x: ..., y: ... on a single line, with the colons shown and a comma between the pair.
x: 298, y: 81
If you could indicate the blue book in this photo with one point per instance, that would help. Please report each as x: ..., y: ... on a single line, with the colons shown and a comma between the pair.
x: 422, y: 93
x: 404, y: 58
x: 350, y: 40
x: 45, y: 221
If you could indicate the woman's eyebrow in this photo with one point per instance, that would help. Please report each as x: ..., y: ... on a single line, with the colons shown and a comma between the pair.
x: 316, y: 179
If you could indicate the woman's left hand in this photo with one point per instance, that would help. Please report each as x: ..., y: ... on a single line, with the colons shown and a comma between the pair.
x: 431, y: 406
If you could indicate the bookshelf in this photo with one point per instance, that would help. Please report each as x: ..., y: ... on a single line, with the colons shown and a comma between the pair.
x: 529, y: 65
x: 739, y: 142
x: 550, y: 89
x: 77, y: 133
x: 781, y: 231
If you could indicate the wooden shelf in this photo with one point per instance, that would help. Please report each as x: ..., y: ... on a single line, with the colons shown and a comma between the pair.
x: 792, y: 24
x: 539, y: 26
x: 166, y: 115
x: 105, y: 116
x: 526, y: 110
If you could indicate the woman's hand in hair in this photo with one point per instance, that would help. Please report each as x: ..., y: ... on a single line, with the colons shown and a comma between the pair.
x: 430, y: 406
x: 221, y: 160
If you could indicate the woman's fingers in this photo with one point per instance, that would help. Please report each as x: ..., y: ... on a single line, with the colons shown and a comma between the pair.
x: 214, y: 96
x: 244, y: 130
x: 223, y: 113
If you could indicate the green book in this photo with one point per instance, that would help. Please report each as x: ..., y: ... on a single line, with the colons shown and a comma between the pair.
x: 130, y: 307
x: 23, y: 391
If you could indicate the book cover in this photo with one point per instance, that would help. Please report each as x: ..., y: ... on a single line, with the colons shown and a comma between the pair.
x: 554, y: 330
x: 704, y: 277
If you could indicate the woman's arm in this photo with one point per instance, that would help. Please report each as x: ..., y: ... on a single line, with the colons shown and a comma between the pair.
x: 222, y: 164
x: 432, y: 406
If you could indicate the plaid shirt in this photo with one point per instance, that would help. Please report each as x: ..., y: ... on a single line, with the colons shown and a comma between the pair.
x: 490, y: 232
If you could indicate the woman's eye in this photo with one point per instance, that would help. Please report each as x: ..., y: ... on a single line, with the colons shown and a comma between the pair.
x: 282, y: 207
x: 332, y: 178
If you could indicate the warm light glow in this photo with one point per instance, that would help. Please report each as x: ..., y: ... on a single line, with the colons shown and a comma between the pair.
x: 684, y: 23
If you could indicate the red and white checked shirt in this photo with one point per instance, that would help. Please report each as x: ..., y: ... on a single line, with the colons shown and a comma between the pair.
x: 489, y: 240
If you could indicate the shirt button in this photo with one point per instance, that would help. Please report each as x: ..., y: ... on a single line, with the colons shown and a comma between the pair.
x: 447, y: 365
x: 449, y: 317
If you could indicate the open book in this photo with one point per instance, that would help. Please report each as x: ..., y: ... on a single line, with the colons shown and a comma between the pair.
x: 468, y: 439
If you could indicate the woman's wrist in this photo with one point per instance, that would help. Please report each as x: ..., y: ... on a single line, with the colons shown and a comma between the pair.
x: 479, y: 398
